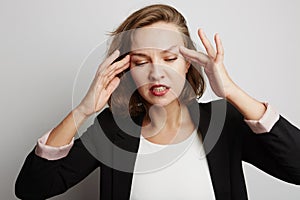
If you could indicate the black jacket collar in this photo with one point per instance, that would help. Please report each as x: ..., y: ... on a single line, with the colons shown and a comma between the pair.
x: 217, y: 157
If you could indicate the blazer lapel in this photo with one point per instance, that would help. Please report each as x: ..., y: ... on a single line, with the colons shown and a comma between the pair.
x: 217, y: 157
x: 216, y: 147
x: 218, y: 165
x: 124, y: 157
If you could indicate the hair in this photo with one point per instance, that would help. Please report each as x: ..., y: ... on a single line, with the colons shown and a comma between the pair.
x: 121, y: 39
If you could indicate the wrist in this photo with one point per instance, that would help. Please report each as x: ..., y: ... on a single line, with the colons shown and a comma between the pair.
x: 79, y: 115
x: 233, y: 93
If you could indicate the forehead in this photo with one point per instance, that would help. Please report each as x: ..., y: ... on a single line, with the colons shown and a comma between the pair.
x: 157, y: 36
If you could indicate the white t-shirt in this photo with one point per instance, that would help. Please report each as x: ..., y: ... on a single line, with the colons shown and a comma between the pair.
x: 174, y: 171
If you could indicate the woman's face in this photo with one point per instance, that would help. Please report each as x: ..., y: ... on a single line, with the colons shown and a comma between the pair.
x: 157, y: 68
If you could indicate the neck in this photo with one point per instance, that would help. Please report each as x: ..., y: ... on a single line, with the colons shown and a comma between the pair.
x: 167, y: 124
x: 170, y: 116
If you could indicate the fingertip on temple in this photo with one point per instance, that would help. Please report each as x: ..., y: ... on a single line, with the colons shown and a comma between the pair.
x: 201, y: 32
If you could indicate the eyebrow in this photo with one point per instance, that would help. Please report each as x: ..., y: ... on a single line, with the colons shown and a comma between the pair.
x: 138, y: 54
x: 162, y: 52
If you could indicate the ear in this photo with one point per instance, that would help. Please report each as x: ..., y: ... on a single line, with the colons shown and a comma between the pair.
x: 187, y: 66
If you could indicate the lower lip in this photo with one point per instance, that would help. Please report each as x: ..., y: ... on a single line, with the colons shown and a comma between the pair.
x: 160, y: 93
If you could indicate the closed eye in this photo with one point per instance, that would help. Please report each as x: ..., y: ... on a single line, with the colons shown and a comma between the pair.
x: 171, y: 59
x: 140, y: 63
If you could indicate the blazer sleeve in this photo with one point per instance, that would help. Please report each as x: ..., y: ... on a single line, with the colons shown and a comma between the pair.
x: 276, y: 152
x: 40, y: 178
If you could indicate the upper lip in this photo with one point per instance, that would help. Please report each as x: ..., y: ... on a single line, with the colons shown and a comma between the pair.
x: 158, y: 85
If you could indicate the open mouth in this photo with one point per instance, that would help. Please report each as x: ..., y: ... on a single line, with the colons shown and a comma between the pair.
x: 159, y: 90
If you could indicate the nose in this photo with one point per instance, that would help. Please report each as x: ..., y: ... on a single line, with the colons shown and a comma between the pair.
x: 156, y: 72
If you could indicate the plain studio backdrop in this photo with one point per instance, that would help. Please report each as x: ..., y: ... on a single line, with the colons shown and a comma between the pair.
x: 44, y: 43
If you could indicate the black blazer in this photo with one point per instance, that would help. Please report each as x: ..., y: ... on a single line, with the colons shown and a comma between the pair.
x: 277, y: 153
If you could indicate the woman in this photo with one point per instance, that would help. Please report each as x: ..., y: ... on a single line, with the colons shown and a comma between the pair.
x: 151, y: 80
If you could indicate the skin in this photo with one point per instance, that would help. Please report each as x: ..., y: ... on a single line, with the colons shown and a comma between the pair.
x: 220, y: 81
x: 155, y: 59
x: 167, y: 121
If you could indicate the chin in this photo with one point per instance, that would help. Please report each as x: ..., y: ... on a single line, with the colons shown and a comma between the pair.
x: 162, y: 102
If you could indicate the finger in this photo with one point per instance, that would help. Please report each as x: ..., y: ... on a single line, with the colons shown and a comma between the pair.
x: 120, y: 69
x: 113, y: 84
x: 103, y: 78
x: 111, y: 87
x: 105, y: 82
x: 220, y: 49
x: 207, y: 45
x: 107, y: 79
x: 109, y: 70
x: 116, y: 66
x: 115, y: 73
x: 193, y: 55
x: 109, y: 60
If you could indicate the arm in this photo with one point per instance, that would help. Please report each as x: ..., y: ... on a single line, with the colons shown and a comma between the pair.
x: 104, y: 83
x: 58, y: 142
x: 275, y: 152
x: 42, y: 178
x: 219, y: 79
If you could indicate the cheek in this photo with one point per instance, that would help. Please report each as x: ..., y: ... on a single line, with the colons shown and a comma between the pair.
x: 140, y: 83
x: 184, y: 67
x: 177, y: 79
x: 139, y: 76
x: 180, y: 66
x: 179, y: 71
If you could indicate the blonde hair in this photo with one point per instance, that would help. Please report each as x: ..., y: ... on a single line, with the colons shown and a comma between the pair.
x: 134, y: 104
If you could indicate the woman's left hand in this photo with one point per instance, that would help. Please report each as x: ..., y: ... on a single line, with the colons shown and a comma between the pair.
x: 219, y: 80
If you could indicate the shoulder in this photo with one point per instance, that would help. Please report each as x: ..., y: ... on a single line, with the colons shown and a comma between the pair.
x: 116, y: 125
x: 105, y: 115
x: 221, y: 119
x: 220, y: 115
x: 219, y: 107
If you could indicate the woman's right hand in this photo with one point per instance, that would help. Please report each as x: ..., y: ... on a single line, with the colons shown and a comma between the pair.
x: 104, y: 83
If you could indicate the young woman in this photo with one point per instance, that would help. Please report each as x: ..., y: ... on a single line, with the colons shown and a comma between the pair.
x: 155, y: 141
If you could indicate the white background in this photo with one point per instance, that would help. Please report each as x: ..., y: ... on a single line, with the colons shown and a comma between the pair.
x: 43, y: 43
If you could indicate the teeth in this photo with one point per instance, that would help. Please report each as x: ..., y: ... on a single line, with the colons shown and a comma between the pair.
x: 159, y: 89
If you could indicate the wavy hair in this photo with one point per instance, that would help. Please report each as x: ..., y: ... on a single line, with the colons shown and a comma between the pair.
x: 134, y: 104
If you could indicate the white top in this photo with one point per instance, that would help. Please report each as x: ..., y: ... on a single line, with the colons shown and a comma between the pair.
x: 174, y: 171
